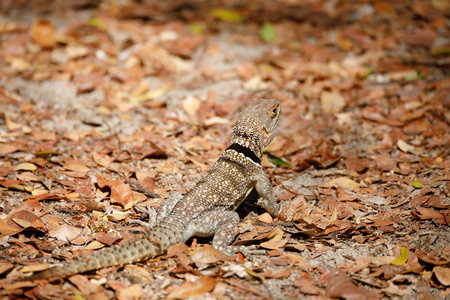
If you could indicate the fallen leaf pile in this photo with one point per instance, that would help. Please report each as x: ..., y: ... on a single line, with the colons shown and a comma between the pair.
x: 108, y: 106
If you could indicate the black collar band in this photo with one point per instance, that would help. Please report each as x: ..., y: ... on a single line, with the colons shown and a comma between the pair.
x: 246, y: 151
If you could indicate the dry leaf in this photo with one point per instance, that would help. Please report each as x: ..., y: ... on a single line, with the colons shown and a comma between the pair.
x: 133, y: 292
x: 4, y: 267
x: 28, y: 176
x: 35, y: 268
x: 7, y: 149
x: 442, y: 274
x: 65, y: 232
x: 194, y: 288
x: 102, y: 159
x: 25, y: 167
x: 27, y: 219
x: 84, y: 285
x: 76, y: 166
x: 343, y: 182
x: 43, y: 33
x: 191, y: 105
x: 332, y: 102
x: 208, y: 255
x: 265, y: 218
x: 122, y: 194
x: 339, y: 285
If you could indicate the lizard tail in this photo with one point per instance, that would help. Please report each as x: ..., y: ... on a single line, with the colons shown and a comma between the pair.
x: 154, y: 244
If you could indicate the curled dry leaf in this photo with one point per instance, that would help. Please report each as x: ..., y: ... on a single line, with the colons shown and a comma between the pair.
x: 343, y: 182
x: 265, y: 218
x: 43, y: 33
x: 4, y: 267
x: 35, y: 268
x: 122, y: 194
x: 442, y: 274
x: 65, y: 232
x: 275, y: 243
x: 194, y: 288
x: 76, y: 166
x: 102, y: 159
x: 7, y: 149
x: 27, y: 219
x: 130, y: 293
x: 25, y: 167
x: 208, y: 255
x: 339, y: 285
x: 28, y: 176
x: 332, y: 102
x: 85, y: 286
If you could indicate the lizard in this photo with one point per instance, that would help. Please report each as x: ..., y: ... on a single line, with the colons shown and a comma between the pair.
x: 208, y: 208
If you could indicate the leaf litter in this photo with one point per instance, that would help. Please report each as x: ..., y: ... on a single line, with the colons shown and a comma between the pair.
x: 96, y: 97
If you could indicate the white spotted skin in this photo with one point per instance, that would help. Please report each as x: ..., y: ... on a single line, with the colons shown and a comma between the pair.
x: 207, y: 209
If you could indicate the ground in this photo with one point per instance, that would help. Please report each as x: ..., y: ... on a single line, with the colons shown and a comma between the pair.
x: 98, y: 95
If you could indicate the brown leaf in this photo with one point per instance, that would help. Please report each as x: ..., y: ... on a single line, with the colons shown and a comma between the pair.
x: 108, y: 238
x: 275, y: 243
x: 279, y: 275
x: 4, y: 266
x: 121, y: 194
x: 43, y: 33
x: 194, y: 288
x: 208, y: 255
x: 65, y: 232
x: 353, y: 163
x: 307, y: 286
x: 25, y: 167
x: 35, y: 268
x: 102, y: 159
x: 384, y: 162
x: 265, y: 218
x: 343, y: 182
x: 85, y: 286
x: 28, y: 176
x: 426, y: 213
x: 442, y: 274
x: 27, y: 219
x: 132, y: 292
x: 9, y: 229
x: 76, y: 166
x: 332, y: 102
x: 8, y: 148
x: 339, y: 285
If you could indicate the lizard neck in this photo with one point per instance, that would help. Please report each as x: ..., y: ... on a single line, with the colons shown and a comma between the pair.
x: 246, y: 151
x: 246, y: 148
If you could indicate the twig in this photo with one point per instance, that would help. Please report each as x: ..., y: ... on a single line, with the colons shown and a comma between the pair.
x: 138, y: 187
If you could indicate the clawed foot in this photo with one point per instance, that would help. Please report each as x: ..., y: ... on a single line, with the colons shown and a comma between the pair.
x: 245, y: 250
x: 150, y: 211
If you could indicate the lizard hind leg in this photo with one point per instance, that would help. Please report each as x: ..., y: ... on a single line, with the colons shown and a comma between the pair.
x: 221, y: 224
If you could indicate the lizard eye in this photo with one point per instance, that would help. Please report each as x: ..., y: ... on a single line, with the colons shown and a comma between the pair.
x: 273, y: 111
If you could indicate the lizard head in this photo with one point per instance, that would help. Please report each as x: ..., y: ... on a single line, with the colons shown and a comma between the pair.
x: 256, y: 125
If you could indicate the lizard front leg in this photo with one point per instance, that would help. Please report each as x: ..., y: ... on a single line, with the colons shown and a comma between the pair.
x: 264, y: 188
x: 161, y: 212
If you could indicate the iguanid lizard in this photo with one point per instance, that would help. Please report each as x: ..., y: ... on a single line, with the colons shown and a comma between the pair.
x: 208, y: 208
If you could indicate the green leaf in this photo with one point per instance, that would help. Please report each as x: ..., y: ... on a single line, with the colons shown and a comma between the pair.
x: 414, y: 75
x: 276, y: 160
x: 268, y: 33
x: 196, y: 28
x: 46, y: 153
x: 369, y: 70
x: 402, y: 259
x: 95, y: 22
x: 79, y: 297
x: 228, y: 15
x: 417, y: 184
